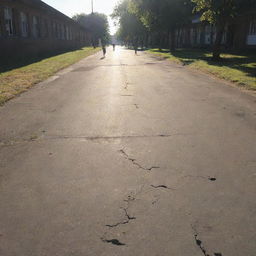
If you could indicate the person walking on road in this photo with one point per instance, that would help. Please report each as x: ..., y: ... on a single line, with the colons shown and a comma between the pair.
x: 135, y: 46
x: 104, y: 50
x: 114, y: 47
x: 135, y: 49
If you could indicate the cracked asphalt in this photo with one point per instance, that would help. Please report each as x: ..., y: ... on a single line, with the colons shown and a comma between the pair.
x: 129, y: 155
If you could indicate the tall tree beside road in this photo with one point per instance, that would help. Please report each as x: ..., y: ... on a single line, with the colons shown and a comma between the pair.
x: 219, y: 13
x: 163, y: 16
x: 131, y: 29
x: 97, y: 23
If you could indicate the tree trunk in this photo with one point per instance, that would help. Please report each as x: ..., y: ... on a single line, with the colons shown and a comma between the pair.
x: 158, y: 41
x: 161, y: 42
x: 172, y: 42
x: 217, y: 44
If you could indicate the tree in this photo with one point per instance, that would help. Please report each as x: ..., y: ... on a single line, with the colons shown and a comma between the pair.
x: 163, y: 16
x: 131, y: 29
x: 97, y: 23
x: 220, y: 13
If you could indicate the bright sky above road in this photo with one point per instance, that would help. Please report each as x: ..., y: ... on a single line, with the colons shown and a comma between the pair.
x: 72, y: 7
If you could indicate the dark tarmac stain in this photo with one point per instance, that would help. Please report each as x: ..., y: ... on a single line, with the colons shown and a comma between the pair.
x: 240, y: 114
x: 113, y: 241
x: 202, y: 177
x: 33, y: 137
x: 84, y: 69
x: 130, y: 198
x: 151, y: 63
x: 155, y: 201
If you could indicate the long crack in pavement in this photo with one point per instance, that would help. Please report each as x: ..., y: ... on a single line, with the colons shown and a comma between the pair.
x: 199, y: 243
x: 113, y: 241
x: 162, y: 186
x: 134, y: 162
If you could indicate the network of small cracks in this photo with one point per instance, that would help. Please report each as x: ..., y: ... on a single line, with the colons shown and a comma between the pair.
x: 128, y: 218
x: 199, y: 243
x: 134, y: 162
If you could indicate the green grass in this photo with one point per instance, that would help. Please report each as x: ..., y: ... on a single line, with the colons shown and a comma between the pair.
x: 17, y: 80
x: 236, y: 68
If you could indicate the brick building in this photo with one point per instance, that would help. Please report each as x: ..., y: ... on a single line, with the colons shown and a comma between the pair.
x: 31, y: 27
x: 240, y: 34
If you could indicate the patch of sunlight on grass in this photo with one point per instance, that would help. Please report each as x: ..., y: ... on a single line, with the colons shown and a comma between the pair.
x: 236, y: 68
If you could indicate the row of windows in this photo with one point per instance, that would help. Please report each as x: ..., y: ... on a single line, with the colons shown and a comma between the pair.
x: 207, y: 35
x: 252, y: 30
x: 33, y: 26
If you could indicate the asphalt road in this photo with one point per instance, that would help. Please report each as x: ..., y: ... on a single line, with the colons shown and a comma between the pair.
x: 128, y: 155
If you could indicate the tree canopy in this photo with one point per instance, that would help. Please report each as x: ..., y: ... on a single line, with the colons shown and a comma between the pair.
x: 131, y: 29
x: 163, y: 16
x: 220, y: 13
x: 160, y: 19
x: 98, y: 25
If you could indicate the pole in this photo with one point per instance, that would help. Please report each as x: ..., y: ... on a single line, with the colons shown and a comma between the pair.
x: 92, y: 6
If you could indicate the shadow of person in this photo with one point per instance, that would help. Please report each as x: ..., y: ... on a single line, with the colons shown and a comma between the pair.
x: 102, y: 58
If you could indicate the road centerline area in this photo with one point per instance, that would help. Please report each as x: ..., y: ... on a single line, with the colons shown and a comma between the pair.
x: 128, y: 155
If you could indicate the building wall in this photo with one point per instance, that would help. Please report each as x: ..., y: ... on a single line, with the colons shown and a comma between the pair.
x: 34, y: 28
x: 241, y: 34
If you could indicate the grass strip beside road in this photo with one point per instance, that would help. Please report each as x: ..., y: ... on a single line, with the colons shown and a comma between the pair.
x: 236, y: 68
x: 18, y: 80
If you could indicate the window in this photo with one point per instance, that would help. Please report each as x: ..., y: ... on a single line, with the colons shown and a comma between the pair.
x: 24, y: 24
x: 54, y: 30
x: 62, y: 32
x: 35, y: 27
x: 45, y: 29
x: 8, y: 21
x: 1, y: 30
x: 58, y: 31
x: 67, y: 33
x: 251, y: 38
x: 252, y: 30
x: 207, y: 34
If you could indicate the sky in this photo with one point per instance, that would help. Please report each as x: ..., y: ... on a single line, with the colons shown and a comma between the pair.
x: 72, y: 7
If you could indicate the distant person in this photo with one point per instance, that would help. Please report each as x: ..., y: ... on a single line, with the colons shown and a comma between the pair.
x: 114, y: 47
x: 135, y: 49
x: 104, y: 50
